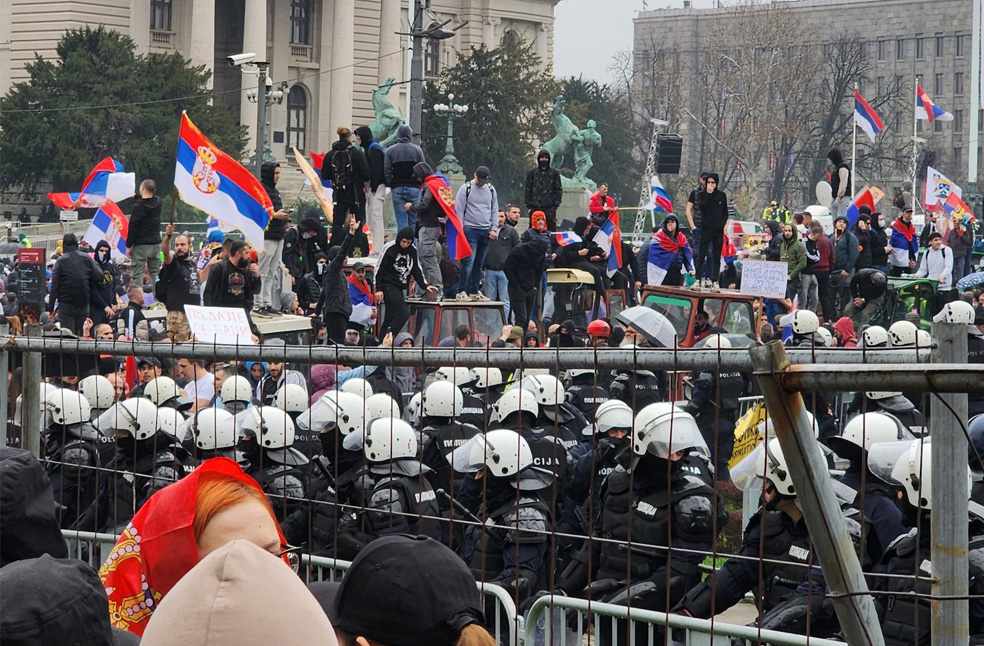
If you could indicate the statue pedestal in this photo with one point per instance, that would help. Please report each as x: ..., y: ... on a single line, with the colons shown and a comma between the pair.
x: 573, y: 206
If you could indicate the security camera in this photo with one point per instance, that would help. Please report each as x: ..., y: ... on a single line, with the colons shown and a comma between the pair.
x: 240, y: 59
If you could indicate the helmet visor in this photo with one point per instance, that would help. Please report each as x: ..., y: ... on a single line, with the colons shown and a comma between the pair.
x: 882, y: 458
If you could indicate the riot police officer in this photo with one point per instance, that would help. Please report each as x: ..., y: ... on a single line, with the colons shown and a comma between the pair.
x: 267, y: 444
x: 518, y: 410
x: 146, y: 461
x: 593, y: 464
x: 212, y: 433
x: 75, y: 453
x: 293, y: 400
x: 236, y: 394
x: 804, y: 325
x: 561, y: 417
x: 165, y: 393
x: 442, y: 433
x: 99, y: 392
x: 586, y: 391
x: 487, y: 385
x: 893, y: 403
x: 874, y: 336
x: 637, y: 388
x: 473, y: 408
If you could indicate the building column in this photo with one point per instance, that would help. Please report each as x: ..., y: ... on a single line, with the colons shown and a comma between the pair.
x: 139, y: 24
x: 254, y: 40
x: 542, y: 44
x: 279, y: 71
x: 342, y: 59
x: 390, y: 66
x: 202, y: 46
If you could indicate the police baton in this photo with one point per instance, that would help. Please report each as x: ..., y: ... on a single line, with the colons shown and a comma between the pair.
x: 464, y: 510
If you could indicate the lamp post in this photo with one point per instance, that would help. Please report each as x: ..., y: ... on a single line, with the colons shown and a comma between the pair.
x: 270, y: 94
x: 449, y: 164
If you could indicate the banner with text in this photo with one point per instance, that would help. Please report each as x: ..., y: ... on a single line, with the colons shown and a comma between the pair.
x: 765, y: 278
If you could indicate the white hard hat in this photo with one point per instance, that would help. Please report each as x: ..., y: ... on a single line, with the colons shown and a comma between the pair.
x: 512, y: 401
x: 136, y: 416
x: 213, y: 428
x: 956, y: 312
x: 163, y: 389
x: 902, y: 334
x: 442, y: 399
x: 805, y: 322
x: 334, y: 408
x: 66, y: 407
x: 504, y: 452
x: 236, y: 389
x: 271, y: 426
x: 357, y: 386
x: 458, y: 375
x: 874, y: 336
x: 767, y: 459
x: 826, y: 338
x: 98, y: 391
x: 171, y: 422
x: 909, y: 465
x: 412, y: 412
x: 388, y: 439
x: 547, y: 389
x: 292, y: 398
x: 613, y: 414
x: 714, y: 342
x: 487, y: 377
x: 380, y: 406
x: 662, y: 429
x: 870, y: 428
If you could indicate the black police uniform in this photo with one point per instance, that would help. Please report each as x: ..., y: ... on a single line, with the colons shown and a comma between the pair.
x: 282, y: 474
x: 439, y: 438
x: 883, y: 521
x: 638, y: 388
x: 714, y: 404
x: 75, y: 456
x: 584, y: 395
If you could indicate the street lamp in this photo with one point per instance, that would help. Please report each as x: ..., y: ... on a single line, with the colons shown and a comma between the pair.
x: 449, y: 164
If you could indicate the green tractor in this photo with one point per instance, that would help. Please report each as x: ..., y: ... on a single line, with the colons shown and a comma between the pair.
x: 907, y: 295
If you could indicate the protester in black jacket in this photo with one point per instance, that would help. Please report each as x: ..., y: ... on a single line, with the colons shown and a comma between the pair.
x: 398, y: 163
x: 879, y: 243
x: 271, y: 255
x: 375, y: 157
x: 544, y: 190
x: 178, y: 284
x: 233, y: 282
x: 346, y: 167
x: 143, y: 236
x: 309, y: 287
x: 334, y: 304
x: 72, y: 281
x: 107, y: 285
x: 862, y: 230
x: 524, y: 269
x: 398, y: 264
x: 713, y: 205
x: 30, y: 524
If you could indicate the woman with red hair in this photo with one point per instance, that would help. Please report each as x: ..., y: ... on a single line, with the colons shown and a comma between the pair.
x: 177, y: 527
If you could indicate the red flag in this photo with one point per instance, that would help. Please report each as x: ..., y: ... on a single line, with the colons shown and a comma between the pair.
x: 318, y: 159
x: 131, y: 373
x: 458, y: 246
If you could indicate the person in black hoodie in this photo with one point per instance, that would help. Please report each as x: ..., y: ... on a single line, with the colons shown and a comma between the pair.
x: 232, y: 282
x: 430, y: 217
x: 524, y: 269
x: 375, y: 157
x: 107, y: 285
x: 586, y: 256
x: 309, y: 287
x: 143, y: 235
x: 72, y: 280
x: 398, y: 163
x: 273, y: 239
x: 334, y: 304
x: 713, y: 205
x: 879, y: 244
x: 314, y: 241
x: 398, y: 264
x: 27, y: 506
x: 346, y: 167
x: 544, y: 190
x: 862, y: 229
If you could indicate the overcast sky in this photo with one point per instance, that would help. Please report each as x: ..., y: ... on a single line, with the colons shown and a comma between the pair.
x: 587, y: 33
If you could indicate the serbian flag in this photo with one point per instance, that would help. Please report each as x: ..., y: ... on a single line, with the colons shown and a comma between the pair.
x: 609, y: 238
x: 664, y: 251
x: 362, y: 299
x: 661, y: 199
x: 564, y: 238
x: 869, y: 197
x: 938, y: 188
x: 106, y: 181
x: 926, y: 110
x: 866, y: 118
x: 956, y: 208
x: 440, y: 188
x: 109, y: 224
x: 210, y: 180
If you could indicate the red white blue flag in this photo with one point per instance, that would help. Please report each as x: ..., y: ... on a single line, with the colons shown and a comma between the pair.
x: 609, y: 238
x: 926, y: 110
x: 363, y: 301
x: 661, y: 198
x: 866, y: 118
x: 210, y: 180
x: 564, y: 238
x: 109, y: 224
x: 106, y: 181
x: 440, y: 188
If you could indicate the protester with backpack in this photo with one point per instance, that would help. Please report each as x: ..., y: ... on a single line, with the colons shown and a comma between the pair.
x: 348, y: 170
x: 375, y: 157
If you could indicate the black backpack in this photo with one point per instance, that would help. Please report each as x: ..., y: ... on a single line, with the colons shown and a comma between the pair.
x: 341, y: 171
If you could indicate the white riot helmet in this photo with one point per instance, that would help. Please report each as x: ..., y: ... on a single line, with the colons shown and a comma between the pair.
x: 767, y: 459
x: 271, y: 426
x: 162, y: 390
x: 715, y: 342
x: 662, y: 429
x: 504, y: 452
x: 442, y: 399
x: 98, y: 391
x: 514, y: 400
x: 66, y: 407
x: 875, y: 336
x: 236, y: 389
x: 213, y: 428
x: 412, y: 412
x: 340, y: 409
x: 171, y: 422
x: 458, y: 375
x: 45, y: 419
x: 135, y: 416
x: 487, y: 377
x: 902, y: 334
x: 880, y: 394
x: 805, y: 322
x: 825, y: 337
x: 864, y: 430
x: 574, y: 373
x: 388, y: 439
x: 909, y: 465
x: 612, y: 414
x: 292, y: 398
x: 547, y: 389
x: 357, y: 386
x: 956, y: 312
x: 380, y: 406
x: 923, y: 339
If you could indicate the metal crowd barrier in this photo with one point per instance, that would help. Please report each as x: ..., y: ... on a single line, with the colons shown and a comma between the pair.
x: 588, y: 627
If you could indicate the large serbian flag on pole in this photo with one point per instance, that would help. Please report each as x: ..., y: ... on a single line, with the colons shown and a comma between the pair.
x: 210, y: 180
x: 458, y: 246
x: 106, y: 181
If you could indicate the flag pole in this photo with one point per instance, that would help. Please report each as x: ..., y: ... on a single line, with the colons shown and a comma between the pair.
x: 915, y: 144
x: 854, y: 142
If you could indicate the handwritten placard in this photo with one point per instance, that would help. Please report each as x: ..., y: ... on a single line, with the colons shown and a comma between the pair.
x: 764, y: 278
x: 219, y: 324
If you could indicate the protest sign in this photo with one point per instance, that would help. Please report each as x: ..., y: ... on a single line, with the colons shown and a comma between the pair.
x: 764, y: 278
x: 219, y: 324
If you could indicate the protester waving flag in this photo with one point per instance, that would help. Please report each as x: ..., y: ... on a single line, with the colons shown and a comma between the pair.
x: 214, y: 182
x: 106, y: 181
x: 363, y: 300
x: 109, y: 224
x: 869, y: 196
x: 665, y: 250
x: 564, y: 238
x: 440, y: 188
x: 956, y: 208
x: 938, y: 189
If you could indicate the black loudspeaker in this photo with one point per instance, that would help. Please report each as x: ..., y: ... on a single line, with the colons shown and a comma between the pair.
x: 669, y: 149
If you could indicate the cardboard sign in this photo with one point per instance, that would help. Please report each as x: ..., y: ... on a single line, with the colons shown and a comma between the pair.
x: 67, y: 215
x: 219, y: 324
x: 764, y: 278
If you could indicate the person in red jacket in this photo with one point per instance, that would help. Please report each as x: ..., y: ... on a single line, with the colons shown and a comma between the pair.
x: 601, y: 203
x: 821, y: 270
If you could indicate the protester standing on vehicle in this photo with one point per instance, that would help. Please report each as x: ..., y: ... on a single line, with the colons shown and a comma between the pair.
x: 477, y: 205
x: 544, y: 190
x: 430, y: 217
x: 72, y: 280
x: 346, y: 166
x: 143, y: 237
x: 840, y: 183
x: 397, y: 265
x: 713, y: 207
x: 502, y: 240
x: 273, y: 239
x: 375, y: 158
x: 398, y: 163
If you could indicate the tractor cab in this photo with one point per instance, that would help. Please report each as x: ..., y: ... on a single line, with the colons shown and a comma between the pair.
x: 907, y: 295
x: 432, y: 321
x: 574, y: 297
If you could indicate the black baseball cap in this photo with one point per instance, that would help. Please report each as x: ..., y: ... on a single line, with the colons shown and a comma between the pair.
x: 482, y: 172
x: 405, y: 590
